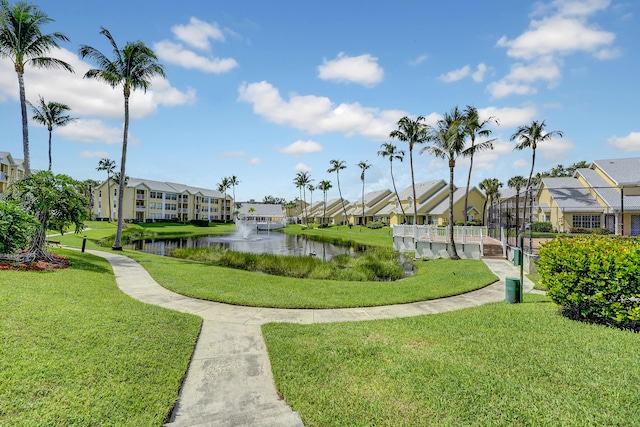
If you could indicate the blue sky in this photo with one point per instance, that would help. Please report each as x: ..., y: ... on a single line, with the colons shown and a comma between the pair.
x: 262, y: 90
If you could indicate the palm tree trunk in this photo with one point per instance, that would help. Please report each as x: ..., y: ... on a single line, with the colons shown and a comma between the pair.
x: 466, y: 194
x: 404, y: 216
x: 324, y: 208
x: 25, y: 125
x: 362, y: 220
x: 526, y: 193
x: 117, y: 245
x: 344, y: 210
x: 453, y: 253
x: 413, y: 187
x: 109, y: 194
x: 49, y: 150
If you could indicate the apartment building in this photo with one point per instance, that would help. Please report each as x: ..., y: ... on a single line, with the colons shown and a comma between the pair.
x: 147, y: 200
x: 11, y: 170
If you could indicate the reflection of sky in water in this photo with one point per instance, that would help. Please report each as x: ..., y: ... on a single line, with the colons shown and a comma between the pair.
x: 258, y: 242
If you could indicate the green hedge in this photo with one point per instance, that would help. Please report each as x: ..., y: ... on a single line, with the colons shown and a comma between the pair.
x: 594, y: 278
x: 541, y: 227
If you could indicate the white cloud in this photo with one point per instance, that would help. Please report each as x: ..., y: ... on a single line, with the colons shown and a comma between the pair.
x: 518, y: 164
x: 490, y: 159
x: 93, y: 154
x: 91, y: 131
x: 455, y: 75
x: 231, y: 154
x: 317, y: 115
x: 302, y: 147
x: 555, y: 149
x: 503, y: 88
x: 478, y: 75
x: 607, y: 54
x: 542, y: 69
x: 301, y: 167
x: 175, y: 53
x: 363, y: 69
x: 255, y: 161
x: 509, y: 116
x: 197, y: 33
x: 419, y: 60
x: 627, y: 143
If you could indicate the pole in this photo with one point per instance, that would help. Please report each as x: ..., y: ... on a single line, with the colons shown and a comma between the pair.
x: 531, y: 220
x: 84, y: 243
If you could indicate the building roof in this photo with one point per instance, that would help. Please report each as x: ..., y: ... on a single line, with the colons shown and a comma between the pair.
x: 261, y: 210
x: 443, y: 206
x: 621, y: 171
x: 172, y: 187
x: 422, y: 188
x: 610, y: 195
x: 570, y: 195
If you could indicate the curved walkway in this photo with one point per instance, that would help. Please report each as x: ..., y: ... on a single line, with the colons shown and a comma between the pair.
x: 229, y: 380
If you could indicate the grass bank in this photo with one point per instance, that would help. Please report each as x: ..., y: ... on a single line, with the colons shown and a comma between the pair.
x: 74, y: 350
x: 494, y: 365
x: 343, y: 235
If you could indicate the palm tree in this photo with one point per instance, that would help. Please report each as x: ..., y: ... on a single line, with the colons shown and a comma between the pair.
x: 529, y: 137
x: 517, y: 182
x: 22, y: 41
x: 311, y: 189
x: 391, y: 151
x: 491, y: 187
x: 109, y: 166
x: 448, y: 142
x: 51, y: 114
x: 223, y: 187
x: 233, y: 181
x: 413, y: 132
x: 301, y: 181
x: 364, y: 165
x: 474, y: 127
x: 324, y: 186
x: 337, y: 166
x: 132, y: 67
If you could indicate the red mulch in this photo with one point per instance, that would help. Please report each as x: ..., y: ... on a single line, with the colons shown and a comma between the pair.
x: 41, y: 265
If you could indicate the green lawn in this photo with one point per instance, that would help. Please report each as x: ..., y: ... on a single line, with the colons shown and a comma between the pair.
x: 494, y: 365
x: 361, y: 235
x: 75, y: 350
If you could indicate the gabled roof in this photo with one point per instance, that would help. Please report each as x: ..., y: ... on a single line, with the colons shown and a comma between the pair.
x: 610, y: 195
x: 443, y: 207
x: 172, y: 187
x: 570, y: 195
x: 621, y: 171
x: 422, y: 188
x: 261, y: 209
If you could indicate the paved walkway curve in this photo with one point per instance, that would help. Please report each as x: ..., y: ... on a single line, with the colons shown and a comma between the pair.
x: 229, y: 380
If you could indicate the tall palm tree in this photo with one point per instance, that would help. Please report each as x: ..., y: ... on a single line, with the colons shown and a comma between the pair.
x: 491, y: 188
x: 311, y: 189
x: 448, y: 142
x: 301, y: 181
x: 363, y: 165
x: 324, y: 186
x: 24, y: 43
x: 51, y: 114
x: 517, y: 182
x: 337, y: 166
x: 223, y: 187
x: 109, y: 166
x: 391, y: 151
x: 233, y: 181
x: 132, y: 67
x: 412, y: 132
x: 529, y: 137
x: 474, y: 127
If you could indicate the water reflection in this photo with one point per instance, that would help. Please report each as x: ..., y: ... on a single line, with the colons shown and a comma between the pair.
x: 258, y: 242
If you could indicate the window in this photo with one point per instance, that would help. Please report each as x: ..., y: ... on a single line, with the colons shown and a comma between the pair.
x: 100, y: 194
x: 586, y: 221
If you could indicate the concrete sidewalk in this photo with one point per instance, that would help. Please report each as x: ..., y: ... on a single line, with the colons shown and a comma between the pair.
x: 229, y: 380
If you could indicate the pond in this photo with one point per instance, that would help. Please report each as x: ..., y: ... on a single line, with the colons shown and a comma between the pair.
x: 259, y: 242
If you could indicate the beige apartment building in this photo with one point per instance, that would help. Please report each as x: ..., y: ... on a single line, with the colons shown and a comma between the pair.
x: 11, y: 170
x: 146, y: 200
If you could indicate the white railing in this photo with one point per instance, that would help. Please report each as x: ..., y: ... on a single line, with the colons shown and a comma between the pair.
x: 432, y: 233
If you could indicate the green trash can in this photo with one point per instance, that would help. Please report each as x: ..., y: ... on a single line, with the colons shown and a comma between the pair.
x: 517, y: 257
x: 513, y: 290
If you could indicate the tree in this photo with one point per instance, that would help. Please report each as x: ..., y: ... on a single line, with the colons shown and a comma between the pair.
x: 448, y: 142
x: 271, y: 200
x: 51, y: 114
x: 529, y: 137
x: 491, y: 188
x: 24, y: 43
x: 233, y: 181
x: 474, y: 127
x: 324, y: 186
x: 17, y: 228
x: 301, y: 181
x: 132, y: 67
x: 337, y: 166
x: 53, y: 199
x: 517, y: 182
x: 363, y: 165
x: 116, y: 178
x: 391, y: 151
x: 108, y: 165
x: 412, y: 132
x: 223, y: 187
x: 311, y: 189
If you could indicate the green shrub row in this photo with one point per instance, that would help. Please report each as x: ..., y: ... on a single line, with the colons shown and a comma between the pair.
x: 541, y: 227
x: 577, y: 230
x: 594, y: 278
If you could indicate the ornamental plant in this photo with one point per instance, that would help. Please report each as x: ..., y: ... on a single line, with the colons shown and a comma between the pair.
x: 17, y: 227
x: 594, y: 278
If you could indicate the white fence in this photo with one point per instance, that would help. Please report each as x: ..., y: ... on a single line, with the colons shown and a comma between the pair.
x: 429, y: 241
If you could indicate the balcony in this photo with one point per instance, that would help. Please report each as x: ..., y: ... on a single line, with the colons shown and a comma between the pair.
x: 140, y: 197
x: 3, y: 177
x: 140, y: 209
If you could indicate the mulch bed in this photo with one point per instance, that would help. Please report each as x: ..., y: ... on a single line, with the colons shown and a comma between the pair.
x: 41, y: 265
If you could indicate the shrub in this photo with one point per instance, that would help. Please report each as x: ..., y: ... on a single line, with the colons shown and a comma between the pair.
x: 594, y: 278
x: 601, y: 231
x: 17, y: 227
x: 541, y: 227
x: 199, y: 222
x: 374, y: 225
